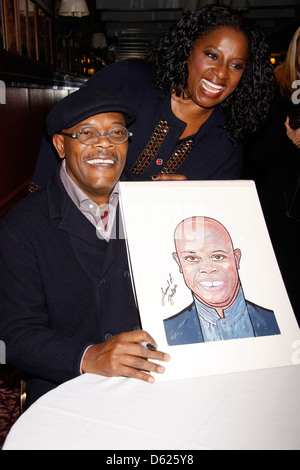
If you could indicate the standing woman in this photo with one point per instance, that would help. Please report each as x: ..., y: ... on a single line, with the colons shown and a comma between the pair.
x: 200, y: 90
x: 288, y: 79
x: 274, y: 161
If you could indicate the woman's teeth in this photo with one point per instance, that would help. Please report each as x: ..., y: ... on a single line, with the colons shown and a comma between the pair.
x: 211, y: 87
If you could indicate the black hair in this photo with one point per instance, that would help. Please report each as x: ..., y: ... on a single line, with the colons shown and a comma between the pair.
x: 247, y: 107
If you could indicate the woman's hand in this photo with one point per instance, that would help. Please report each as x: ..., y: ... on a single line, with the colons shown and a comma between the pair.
x: 169, y: 177
x: 294, y: 135
x: 123, y: 355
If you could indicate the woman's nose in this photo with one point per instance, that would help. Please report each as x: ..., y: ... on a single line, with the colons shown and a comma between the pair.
x: 220, y: 70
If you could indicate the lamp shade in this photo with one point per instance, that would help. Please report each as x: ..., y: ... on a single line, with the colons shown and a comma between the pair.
x: 99, y: 40
x: 22, y: 6
x: 73, y: 8
x: 241, y: 5
x: 204, y: 3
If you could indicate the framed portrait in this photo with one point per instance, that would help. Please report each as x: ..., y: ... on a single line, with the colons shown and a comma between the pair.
x: 205, y: 277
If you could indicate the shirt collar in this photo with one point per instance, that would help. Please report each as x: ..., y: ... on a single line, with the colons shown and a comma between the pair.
x: 76, y: 194
x: 231, y: 314
x: 86, y: 206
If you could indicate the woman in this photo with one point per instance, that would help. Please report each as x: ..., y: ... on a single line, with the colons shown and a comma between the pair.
x: 275, y: 165
x: 287, y: 74
x: 202, y: 87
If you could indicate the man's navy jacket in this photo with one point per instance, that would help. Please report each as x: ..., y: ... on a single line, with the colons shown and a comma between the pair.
x: 61, y: 288
x: 184, y: 327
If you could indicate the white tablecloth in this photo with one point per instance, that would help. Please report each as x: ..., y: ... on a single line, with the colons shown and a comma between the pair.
x: 248, y: 410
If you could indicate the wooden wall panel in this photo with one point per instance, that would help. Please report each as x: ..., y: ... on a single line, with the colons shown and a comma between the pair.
x: 22, y: 125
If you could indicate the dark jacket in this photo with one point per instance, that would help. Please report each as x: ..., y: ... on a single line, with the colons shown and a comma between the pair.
x: 61, y: 288
x: 184, y: 327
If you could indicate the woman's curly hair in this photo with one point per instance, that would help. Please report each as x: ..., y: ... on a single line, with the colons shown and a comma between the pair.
x: 248, y: 105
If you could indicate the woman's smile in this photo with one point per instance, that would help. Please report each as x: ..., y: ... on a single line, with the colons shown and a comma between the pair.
x: 211, y: 89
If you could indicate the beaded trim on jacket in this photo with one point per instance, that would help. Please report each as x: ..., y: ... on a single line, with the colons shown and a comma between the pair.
x: 154, y: 144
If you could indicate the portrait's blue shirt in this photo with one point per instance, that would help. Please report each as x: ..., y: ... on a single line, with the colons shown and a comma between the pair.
x: 235, y: 324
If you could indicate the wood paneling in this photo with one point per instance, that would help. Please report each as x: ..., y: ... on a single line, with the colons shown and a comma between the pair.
x: 22, y: 126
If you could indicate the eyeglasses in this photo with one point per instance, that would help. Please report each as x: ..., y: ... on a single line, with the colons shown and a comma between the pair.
x: 90, y: 135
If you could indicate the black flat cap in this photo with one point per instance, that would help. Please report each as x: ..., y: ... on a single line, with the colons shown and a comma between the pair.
x: 85, y: 102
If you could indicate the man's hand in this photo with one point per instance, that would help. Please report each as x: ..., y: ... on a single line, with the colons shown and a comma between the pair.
x: 123, y: 355
x: 293, y: 135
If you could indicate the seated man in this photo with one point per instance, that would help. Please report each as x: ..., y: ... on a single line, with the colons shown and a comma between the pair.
x: 66, y: 299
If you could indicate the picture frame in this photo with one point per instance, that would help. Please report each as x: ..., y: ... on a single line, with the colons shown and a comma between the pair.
x: 151, y: 211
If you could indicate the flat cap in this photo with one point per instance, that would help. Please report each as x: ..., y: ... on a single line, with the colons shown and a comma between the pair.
x: 85, y: 102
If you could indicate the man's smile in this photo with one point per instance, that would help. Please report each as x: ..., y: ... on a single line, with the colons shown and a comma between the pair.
x: 211, y: 285
x: 101, y: 161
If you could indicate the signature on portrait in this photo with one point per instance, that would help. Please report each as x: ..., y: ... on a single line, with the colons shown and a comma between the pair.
x: 169, y: 291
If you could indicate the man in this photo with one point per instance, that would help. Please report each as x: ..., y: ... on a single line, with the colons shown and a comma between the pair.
x: 66, y: 299
x: 209, y: 264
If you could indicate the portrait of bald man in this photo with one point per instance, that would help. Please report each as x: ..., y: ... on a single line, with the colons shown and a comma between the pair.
x: 210, y: 267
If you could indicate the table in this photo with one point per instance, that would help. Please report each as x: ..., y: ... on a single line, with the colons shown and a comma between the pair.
x: 247, y: 410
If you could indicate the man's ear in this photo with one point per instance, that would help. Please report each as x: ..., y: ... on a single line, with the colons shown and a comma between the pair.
x: 58, y: 142
x: 175, y: 256
x: 237, y: 255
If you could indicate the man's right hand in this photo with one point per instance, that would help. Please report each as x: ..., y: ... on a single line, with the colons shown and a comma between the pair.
x: 123, y: 355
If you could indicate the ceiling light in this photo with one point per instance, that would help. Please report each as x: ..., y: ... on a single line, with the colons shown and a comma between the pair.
x: 99, y: 41
x: 73, y: 8
x: 241, y: 5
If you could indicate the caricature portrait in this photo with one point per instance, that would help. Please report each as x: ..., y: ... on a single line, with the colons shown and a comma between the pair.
x: 210, y: 265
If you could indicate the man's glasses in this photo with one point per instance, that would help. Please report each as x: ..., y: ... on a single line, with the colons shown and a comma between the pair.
x: 90, y: 135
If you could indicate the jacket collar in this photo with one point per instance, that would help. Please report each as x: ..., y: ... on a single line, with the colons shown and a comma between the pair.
x: 68, y: 218
x: 62, y: 207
